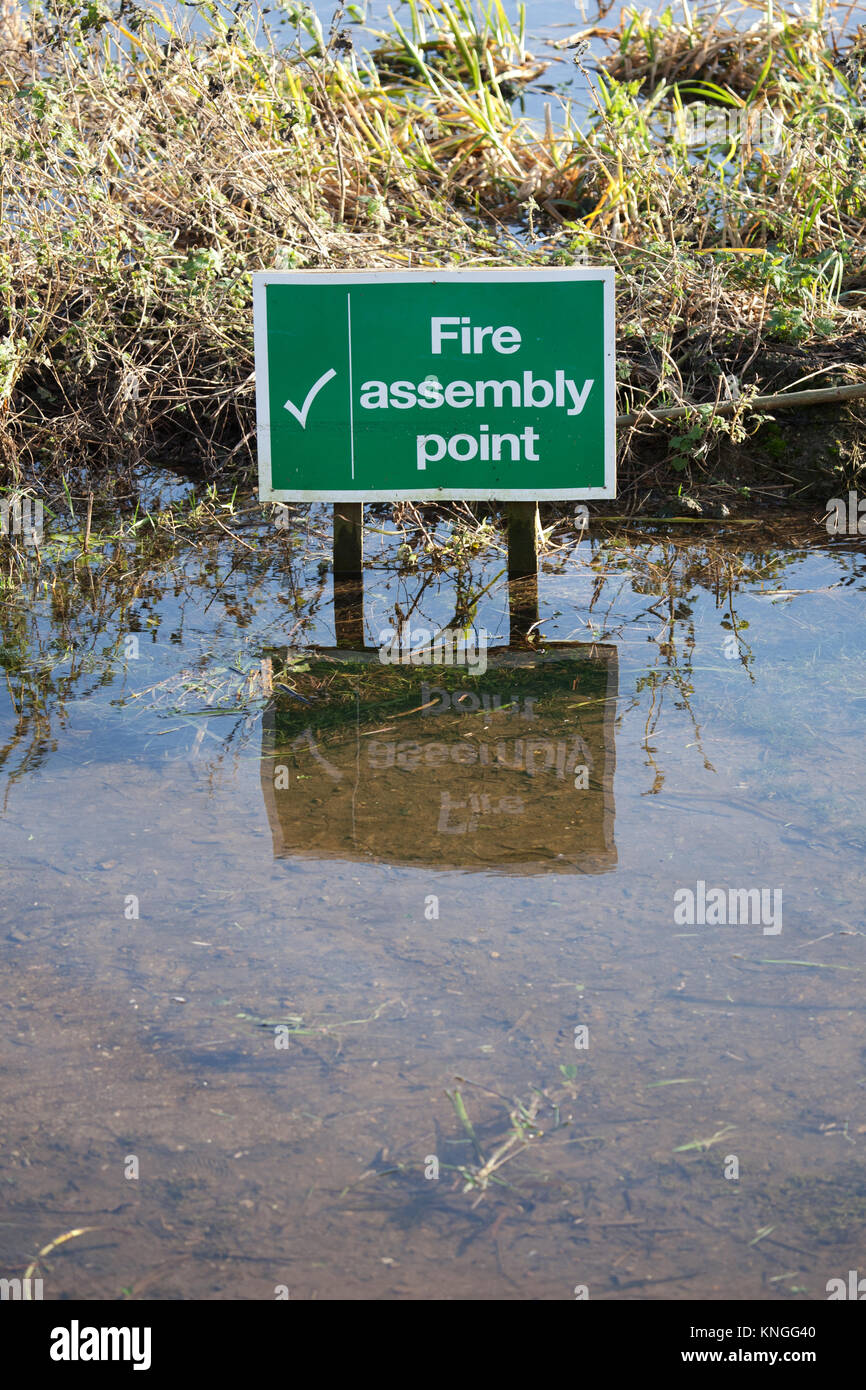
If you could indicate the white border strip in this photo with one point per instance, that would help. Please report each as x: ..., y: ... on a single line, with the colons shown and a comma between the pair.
x: 263, y: 405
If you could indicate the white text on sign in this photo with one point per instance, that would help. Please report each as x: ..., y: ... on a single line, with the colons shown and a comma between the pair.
x: 471, y: 339
x: 523, y: 392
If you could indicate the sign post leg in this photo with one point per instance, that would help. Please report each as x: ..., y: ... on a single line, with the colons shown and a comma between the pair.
x: 521, y: 519
x: 348, y: 539
x: 349, y: 574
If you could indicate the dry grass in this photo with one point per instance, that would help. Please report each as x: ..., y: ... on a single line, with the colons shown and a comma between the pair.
x: 706, y: 46
x: 146, y: 175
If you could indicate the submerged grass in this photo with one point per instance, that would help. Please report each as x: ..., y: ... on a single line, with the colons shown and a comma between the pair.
x: 145, y: 174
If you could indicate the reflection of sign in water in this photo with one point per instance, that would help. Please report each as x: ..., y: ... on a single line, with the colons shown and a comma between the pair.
x: 433, y: 767
x: 439, y: 384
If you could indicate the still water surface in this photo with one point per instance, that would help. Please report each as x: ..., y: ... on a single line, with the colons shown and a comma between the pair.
x: 351, y: 901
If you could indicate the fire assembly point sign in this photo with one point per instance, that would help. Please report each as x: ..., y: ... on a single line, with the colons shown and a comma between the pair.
x: 435, y: 385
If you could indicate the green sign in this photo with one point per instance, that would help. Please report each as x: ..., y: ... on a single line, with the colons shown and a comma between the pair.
x: 435, y: 385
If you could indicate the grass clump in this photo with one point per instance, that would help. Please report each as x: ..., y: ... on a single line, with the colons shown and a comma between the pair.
x: 144, y: 175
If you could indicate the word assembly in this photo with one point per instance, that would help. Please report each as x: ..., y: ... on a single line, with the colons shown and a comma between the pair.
x: 529, y: 392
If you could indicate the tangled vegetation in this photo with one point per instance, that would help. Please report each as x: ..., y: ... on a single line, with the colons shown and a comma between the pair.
x: 145, y: 174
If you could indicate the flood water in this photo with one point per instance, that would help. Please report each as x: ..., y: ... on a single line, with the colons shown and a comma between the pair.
x: 383, y: 984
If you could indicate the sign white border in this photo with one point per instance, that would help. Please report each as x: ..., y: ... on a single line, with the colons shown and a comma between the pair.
x: 261, y: 279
